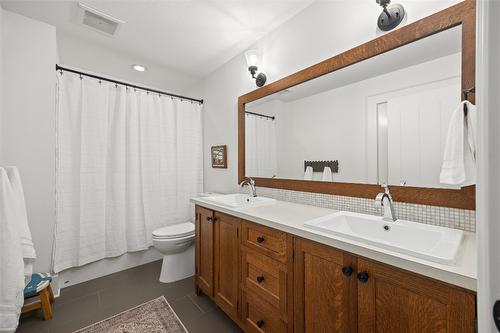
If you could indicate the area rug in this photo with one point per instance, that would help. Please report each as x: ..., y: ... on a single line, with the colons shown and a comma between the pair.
x: 155, y: 316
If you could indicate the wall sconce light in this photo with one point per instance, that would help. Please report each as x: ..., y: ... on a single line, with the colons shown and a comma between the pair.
x: 391, y: 16
x: 252, y: 57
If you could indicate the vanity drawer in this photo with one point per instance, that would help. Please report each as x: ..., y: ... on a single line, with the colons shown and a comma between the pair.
x: 259, y: 316
x: 268, y: 241
x: 265, y: 277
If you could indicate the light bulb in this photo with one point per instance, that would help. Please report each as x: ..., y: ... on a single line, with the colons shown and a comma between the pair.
x: 252, y: 57
x: 139, y: 68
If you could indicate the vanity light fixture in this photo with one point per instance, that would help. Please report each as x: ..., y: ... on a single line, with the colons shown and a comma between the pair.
x: 139, y: 68
x: 252, y: 57
x: 391, y: 16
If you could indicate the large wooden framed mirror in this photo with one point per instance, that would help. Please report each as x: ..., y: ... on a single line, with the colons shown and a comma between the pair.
x: 377, y: 113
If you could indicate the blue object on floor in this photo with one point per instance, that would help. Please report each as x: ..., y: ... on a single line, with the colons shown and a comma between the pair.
x: 39, y: 281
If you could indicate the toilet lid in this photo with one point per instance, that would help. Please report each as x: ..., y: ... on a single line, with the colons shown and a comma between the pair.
x: 175, y: 230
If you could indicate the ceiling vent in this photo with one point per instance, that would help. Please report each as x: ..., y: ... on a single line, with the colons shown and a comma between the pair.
x: 97, y: 20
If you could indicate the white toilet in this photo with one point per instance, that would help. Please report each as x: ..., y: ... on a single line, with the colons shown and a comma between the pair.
x: 176, y: 243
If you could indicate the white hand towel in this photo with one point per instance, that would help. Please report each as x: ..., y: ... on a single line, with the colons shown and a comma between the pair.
x: 11, y: 259
x: 459, y: 166
x: 327, y: 175
x: 29, y: 254
x: 308, y: 175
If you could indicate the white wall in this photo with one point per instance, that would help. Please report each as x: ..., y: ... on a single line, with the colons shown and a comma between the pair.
x: 315, y: 34
x: 488, y: 186
x: 92, y: 57
x: 28, y: 123
x: 1, y: 79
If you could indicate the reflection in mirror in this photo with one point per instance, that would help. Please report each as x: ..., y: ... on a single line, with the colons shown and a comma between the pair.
x: 383, y: 120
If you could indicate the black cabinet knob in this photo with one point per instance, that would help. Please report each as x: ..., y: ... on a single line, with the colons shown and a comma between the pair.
x: 496, y: 314
x: 210, y: 218
x: 260, y: 323
x: 260, y: 239
x: 347, y: 271
x: 363, y: 277
x: 260, y: 278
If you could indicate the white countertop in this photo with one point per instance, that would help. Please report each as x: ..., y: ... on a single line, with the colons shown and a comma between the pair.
x: 290, y: 218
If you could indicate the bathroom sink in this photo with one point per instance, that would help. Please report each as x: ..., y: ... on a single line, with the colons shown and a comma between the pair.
x: 239, y: 200
x: 433, y: 243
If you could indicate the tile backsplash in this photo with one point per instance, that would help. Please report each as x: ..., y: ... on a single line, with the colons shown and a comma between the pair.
x: 462, y: 219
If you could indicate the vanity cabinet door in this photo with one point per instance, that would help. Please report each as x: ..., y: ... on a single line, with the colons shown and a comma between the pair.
x: 325, y: 289
x: 395, y: 301
x: 226, y: 263
x: 204, y: 250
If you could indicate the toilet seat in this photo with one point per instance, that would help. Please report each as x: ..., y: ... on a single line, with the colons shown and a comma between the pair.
x: 179, y: 230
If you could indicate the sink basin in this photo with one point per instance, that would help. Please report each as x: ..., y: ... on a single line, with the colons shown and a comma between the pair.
x: 433, y: 243
x: 239, y: 200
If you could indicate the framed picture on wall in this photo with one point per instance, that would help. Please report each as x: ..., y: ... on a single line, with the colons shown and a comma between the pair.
x: 219, y: 156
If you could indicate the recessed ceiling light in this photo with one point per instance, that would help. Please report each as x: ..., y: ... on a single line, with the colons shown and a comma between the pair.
x: 139, y: 68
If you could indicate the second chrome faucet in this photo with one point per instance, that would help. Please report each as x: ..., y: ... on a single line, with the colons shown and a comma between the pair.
x: 251, y: 184
x: 384, y: 200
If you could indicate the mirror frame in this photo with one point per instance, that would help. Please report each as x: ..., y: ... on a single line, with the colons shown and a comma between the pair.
x: 464, y: 14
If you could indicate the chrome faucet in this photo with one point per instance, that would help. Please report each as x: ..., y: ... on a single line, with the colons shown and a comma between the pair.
x: 251, y: 184
x: 384, y: 200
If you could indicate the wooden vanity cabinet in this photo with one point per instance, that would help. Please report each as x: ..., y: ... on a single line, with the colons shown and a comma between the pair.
x: 258, y: 316
x: 394, y: 300
x: 204, y: 252
x: 266, y: 279
x: 226, y: 263
x: 325, y: 289
x: 269, y: 281
x: 217, y: 258
x: 339, y: 292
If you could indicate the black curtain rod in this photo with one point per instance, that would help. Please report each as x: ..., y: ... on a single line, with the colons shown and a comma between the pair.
x: 59, y: 68
x: 260, y: 115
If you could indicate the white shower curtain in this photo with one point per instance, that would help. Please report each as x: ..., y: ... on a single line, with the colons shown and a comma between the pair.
x: 260, y: 146
x: 127, y: 163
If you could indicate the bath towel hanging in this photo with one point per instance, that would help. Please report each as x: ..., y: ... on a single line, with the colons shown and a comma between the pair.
x: 459, y: 165
x: 29, y: 254
x: 11, y: 259
x: 308, y: 174
x: 327, y: 175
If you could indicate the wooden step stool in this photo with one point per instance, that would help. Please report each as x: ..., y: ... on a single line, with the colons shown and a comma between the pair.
x: 40, y: 286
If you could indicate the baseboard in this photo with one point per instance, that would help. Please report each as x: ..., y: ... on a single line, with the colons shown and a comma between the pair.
x: 107, y: 266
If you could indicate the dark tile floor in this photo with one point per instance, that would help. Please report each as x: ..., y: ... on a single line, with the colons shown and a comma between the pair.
x: 95, y: 300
